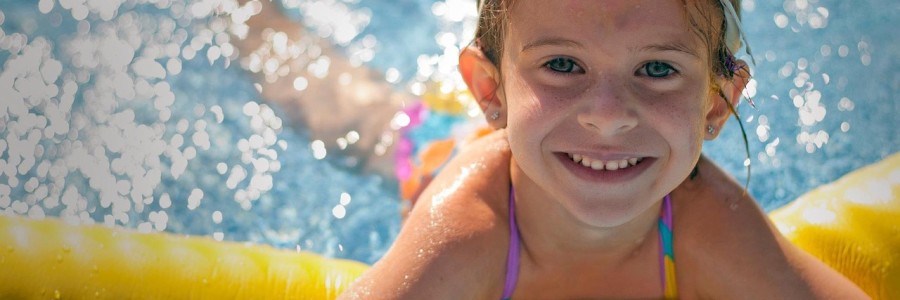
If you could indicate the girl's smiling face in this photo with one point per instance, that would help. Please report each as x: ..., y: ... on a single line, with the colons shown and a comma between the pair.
x: 606, y: 102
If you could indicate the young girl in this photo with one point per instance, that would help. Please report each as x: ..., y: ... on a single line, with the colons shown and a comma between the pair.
x: 594, y: 185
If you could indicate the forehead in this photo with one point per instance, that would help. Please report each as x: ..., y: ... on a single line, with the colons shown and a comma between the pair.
x: 623, y: 21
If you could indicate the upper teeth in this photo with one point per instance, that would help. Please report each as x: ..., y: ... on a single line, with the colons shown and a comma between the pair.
x: 609, y: 165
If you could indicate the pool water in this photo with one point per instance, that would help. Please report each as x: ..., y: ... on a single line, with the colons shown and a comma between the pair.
x: 137, y: 113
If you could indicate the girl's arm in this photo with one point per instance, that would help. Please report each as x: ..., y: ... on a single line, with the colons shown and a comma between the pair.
x: 327, y: 107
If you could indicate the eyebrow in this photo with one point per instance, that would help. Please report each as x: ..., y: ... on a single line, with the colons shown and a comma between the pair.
x: 670, y: 46
x: 557, y: 41
x: 552, y: 41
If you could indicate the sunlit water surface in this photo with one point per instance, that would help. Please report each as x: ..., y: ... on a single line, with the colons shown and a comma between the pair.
x: 138, y: 113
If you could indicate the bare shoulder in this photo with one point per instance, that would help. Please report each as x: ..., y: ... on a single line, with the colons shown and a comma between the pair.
x: 726, y: 247
x: 454, y: 243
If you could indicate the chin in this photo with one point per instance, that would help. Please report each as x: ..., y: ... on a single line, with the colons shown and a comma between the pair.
x: 608, y: 214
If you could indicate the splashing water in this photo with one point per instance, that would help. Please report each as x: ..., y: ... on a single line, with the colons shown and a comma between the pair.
x: 143, y: 114
x: 131, y: 113
x: 824, y: 86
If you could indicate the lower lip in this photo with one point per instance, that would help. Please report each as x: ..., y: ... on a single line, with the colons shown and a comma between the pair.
x: 604, y: 176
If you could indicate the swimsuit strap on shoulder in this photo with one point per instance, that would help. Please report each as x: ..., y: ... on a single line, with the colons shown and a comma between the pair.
x: 666, y: 252
x: 512, y: 257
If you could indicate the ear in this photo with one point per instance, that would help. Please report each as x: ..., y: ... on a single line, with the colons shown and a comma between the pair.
x: 483, y: 80
x: 732, y: 90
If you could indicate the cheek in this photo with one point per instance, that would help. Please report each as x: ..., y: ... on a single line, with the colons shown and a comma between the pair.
x: 677, y: 106
x: 680, y: 117
x: 525, y: 106
x: 697, y: 127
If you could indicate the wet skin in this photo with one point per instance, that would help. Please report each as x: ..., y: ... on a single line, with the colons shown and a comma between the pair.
x: 454, y: 246
x: 566, y: 91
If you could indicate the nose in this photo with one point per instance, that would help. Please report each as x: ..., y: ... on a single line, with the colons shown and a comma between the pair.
x: 606, y: 109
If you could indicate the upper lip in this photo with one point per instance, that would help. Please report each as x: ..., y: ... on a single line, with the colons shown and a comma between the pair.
x: 606, y: 155
x: 610, y: 162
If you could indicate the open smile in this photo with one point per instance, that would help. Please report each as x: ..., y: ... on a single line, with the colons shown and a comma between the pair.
x: 608, y: 165
x: 619, y: 169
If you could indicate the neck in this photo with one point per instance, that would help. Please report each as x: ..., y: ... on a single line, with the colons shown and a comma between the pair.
x: 553, y: 235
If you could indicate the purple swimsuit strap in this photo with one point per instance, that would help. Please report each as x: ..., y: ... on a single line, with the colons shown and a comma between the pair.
x: 512, y: 258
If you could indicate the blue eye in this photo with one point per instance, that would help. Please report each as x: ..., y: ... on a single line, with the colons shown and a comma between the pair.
x: 563, y: 65
x: 657, y: 69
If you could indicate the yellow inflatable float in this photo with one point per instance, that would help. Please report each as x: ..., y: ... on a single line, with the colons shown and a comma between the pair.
x: 49, y: 259
x: 850, y: 224
x: 853, y: 225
